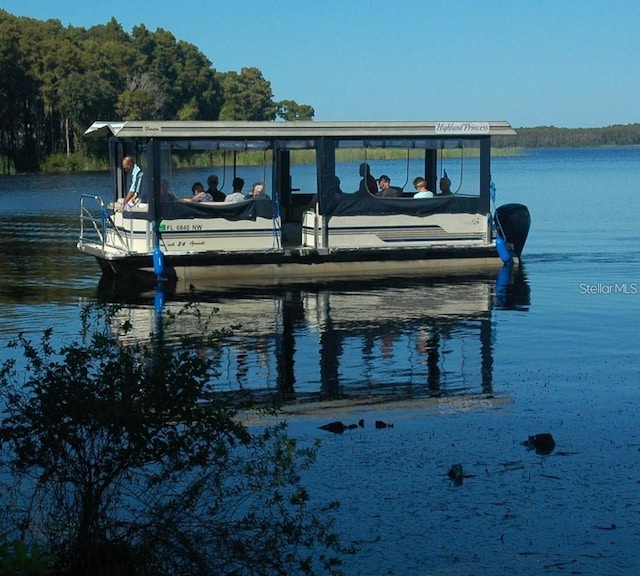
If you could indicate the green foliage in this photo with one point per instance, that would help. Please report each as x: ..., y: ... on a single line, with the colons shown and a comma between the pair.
x: 120, y: 456
x: 17, y: 559
x: 247, y: 96
x: 84, y: 97
x: 290, y: 111
x: 551, y: 136
x: 57, y: 80
x: 73, y: 163
x: 7, y: 165
x: 189, y: 111
x: 137, y: 103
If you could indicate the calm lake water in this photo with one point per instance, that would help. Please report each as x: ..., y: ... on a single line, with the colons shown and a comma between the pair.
x: 465, y: 369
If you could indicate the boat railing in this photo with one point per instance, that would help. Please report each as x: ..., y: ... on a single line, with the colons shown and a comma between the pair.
x: 97, y: 226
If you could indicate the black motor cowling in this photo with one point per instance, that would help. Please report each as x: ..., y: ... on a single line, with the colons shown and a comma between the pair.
x: 512, y: 223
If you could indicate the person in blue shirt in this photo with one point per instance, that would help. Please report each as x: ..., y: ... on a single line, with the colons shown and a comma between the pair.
x: 135, y: 185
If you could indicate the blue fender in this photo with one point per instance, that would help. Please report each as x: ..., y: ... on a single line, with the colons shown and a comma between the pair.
x: 503, y: 250
x: 158, y: 256
x: 158, y: 262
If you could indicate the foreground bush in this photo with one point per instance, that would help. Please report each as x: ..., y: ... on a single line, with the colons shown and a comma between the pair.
x: 120, y: 459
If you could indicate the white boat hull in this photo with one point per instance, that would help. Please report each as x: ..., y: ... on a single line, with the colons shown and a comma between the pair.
x: 357, y: 246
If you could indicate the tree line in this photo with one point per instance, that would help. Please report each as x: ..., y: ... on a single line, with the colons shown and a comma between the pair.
x: 553, y: 137
x: 57, y: 80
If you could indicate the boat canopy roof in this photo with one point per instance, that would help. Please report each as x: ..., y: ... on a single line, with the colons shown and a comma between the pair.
x: 262, y: 134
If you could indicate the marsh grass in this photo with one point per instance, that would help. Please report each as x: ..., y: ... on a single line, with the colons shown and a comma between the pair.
x: 60, y: 163
x: 7, y: 166
x: 255, y: 158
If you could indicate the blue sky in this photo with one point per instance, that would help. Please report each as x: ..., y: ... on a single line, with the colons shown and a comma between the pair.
x: 571, y: 63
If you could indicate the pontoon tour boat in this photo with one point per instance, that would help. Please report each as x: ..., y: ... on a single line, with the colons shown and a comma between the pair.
x: 323, y: 215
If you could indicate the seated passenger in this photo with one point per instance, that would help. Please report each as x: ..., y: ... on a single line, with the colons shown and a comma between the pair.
x: 257, y: 192
x: 368, y: 183
x: 420, y: 184
x: 212, y: 183
x: 199, y: 195
x: 445, y: 185
x: 386, y: 190
x: 236, y: 195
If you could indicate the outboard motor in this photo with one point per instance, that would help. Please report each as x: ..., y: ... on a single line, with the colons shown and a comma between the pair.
x: 512, y: 223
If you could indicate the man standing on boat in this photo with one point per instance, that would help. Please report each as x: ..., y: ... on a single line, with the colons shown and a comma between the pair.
x: 135, y: 186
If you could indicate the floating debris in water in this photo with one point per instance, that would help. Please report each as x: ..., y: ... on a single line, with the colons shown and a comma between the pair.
x: 610, y: 527
x: 456, y: 474
x: 541, y: 443
x: 339, y: 427
x: 335, y: 427
x: 380, y: 425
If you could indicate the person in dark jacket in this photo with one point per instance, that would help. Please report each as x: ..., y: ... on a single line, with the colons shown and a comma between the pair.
x: 386, y: 190
x: 368, y: 183
x: 212, y: 190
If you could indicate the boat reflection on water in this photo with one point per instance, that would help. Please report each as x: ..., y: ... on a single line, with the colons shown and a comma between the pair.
x: 512, y: 290
x: 381, y: 339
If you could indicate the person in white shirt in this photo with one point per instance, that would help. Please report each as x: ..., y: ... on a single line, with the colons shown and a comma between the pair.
x: 420, y: 184
x: 236, y: 195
